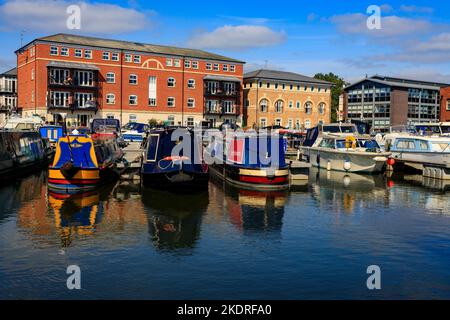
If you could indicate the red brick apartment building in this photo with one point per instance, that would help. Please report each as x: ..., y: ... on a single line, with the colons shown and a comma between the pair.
x: 445, y: 104
x: 78, y: 78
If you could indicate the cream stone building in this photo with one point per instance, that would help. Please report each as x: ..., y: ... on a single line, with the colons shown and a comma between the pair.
x: 287, y: 99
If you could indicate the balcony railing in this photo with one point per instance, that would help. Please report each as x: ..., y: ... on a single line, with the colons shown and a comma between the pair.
x: 72, y: 85
x: 221, y: 93
x: 91, y: 106
x: 4, y: 89
x: 222, y: 112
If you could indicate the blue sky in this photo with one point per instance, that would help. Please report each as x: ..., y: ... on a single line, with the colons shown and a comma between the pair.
x: 305, y: 37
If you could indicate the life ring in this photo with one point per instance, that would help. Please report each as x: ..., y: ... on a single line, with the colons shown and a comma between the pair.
x: 350, y: 142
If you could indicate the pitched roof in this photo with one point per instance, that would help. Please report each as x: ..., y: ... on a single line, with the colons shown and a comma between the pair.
x: 283, y: 76
x: 134, y: 46
x: 11, y: 72
x: 399, y: 82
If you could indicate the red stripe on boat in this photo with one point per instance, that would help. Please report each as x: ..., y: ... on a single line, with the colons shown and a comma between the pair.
x: 263, y: 180
x: 61, y: 181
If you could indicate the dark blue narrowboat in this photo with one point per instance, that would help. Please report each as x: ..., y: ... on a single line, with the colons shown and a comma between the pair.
x: 173, y: 158
x: 251, y: 161
x: 21, y: 152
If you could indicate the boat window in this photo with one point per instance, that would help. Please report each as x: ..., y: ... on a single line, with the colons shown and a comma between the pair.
x: 406, y: 144
x: 152, y: 149
x: 423, y: 145
x: 327, y: 143
x: 340, y: 144
x: 445, y: 129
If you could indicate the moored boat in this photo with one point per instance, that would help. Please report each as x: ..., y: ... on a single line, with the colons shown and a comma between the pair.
x: 134, y: 132
x: 20, y: 153
x: 418, y: 152
x: 251, y: 161
x: 164, y: 168
x: 339, y: 147
x: 84, y: 163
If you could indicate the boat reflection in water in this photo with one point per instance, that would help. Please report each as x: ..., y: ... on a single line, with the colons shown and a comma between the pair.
x: 77, y: 215
x: 249, y: 210
x: 346, y: 190
x: 174, y: 220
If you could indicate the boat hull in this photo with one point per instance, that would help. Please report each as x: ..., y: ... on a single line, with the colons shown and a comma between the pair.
x: 251, y: 178
x: 417, y: 160
x: 179, y: 179
x: 360, y: 162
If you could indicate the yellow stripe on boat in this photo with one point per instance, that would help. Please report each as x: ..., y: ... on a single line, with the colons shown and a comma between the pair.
x: 262, y: 173
x: 81, y: 175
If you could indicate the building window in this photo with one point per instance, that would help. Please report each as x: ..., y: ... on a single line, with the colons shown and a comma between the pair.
x: 133, y: 100
x: 53, y: 51
x: 88, y: 54
x: 298, y: 104
x: 177, y: 63
x: 191, y: 84
x: 109, y: 116
x: 78, y: 53
x: 263, y: 122
x: 216, y: 67
x: 307, y: 124
x: 128, y: 57
x: 133, y: 79
x: 308, y: 107
x: 110, y: 77
x: 171, y: 102
x: 225, y: 67
x: 132, y: 118
x: 297, y: 124
x: 84, y: 78
x: 448, y: 105
x: 171, y: 82
x: 212, y: 87
x: 190, y: 122
x: 57, y: 99
x: 84, y: 100
x: 291, y: 87
x: 264, y: 105
x: 106, y: 55
x: 291, y: 104
x: 32, y: 74
x: 229, y: 88
x: 232, y: 68
x: 152, y: 85
x: 312, y: 88
x: 284, y: 86
x: 110, y: 98
x: 115, y: 57
x: 212, y: 106
x: 260, y: 84
x: 276, y: 86
x: 278, y: 122
x: 279, y: 106
x: 322, y: 108
x: 137, y: 59
x: 59, y: 76
x: 228, y: 107
x: 64, y: 52
x: 169, y: 62
x: 194, y: 64
x: 191, y: 103
x: 171, y: 120
x: 290, y: 124
x: 187, y: 64
x: 209, y: 66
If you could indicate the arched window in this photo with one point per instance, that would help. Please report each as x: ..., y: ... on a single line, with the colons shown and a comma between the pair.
x: 171, y: 82
x: 279, y: 106
x: 308, y: 107
x: 264, y: 105
x: 322, y: 108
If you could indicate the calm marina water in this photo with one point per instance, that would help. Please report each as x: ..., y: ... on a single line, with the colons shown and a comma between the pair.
x: 313, y: 243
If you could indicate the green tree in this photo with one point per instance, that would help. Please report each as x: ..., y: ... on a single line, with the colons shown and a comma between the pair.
x: 336, y: 90
x: 152, y: 123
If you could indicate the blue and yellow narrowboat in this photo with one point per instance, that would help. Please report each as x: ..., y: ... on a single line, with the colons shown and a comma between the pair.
x: 84, y: 163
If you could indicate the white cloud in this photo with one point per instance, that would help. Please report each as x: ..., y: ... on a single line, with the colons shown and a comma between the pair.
x: 51, y: 16
x: 416, y: 9
x: 237, y: 38
x: 391, y: 26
